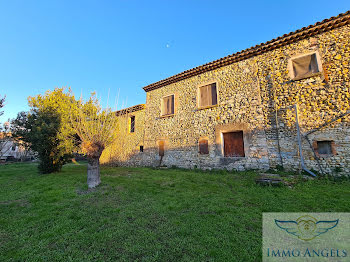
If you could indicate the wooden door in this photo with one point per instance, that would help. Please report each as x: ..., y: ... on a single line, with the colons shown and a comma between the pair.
x: 203, y: 147
x: 161, y: 146
x: 233, y: 144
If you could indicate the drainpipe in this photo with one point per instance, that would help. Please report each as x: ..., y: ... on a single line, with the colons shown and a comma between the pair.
x: 299, y: 143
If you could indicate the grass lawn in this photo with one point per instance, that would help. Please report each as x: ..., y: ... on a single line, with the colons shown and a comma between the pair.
x: 141, y: 214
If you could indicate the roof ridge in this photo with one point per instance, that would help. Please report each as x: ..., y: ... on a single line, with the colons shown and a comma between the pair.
x: 130, y: 109
x: 307, y: 31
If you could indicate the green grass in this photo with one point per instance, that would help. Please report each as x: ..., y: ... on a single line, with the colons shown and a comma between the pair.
x: 141, y: 214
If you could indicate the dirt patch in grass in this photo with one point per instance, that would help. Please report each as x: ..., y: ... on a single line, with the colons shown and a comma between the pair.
x: 167, y: 184
x: 103, y: 188
x: 19, y: 202
x: 85, y: 192
x: 119, y: 174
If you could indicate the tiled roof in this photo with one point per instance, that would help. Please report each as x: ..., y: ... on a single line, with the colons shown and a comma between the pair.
x: 305, y: 32
x: 130, y: 109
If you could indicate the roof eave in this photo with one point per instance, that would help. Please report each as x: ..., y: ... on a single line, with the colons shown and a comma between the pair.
x: 305, y: 32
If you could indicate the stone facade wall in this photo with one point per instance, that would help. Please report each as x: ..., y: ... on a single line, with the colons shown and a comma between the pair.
x: 256, y: 96
x: 125, y: 150
x: 239, y: 108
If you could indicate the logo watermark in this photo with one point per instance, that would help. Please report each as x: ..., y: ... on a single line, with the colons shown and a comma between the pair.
x: 306, y: 237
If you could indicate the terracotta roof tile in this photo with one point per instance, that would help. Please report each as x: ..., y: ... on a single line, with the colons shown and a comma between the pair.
x: 305, y: 32
x: 130, y: 109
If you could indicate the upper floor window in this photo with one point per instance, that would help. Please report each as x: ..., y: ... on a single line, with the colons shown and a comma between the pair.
x: 208, y: 95
x: 132, y: 124
x: 168, y: 105
x: 304, y: 66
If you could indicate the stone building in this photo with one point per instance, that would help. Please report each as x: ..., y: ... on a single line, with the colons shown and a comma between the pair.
x: 11, y: 150
x: 239, y: 112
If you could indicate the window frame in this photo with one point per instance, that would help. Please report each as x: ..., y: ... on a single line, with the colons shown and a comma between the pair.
x: 291, y: 68
x: 129, y: 123
x: 331, y: 144
x: 162, y: 106
x: 199, y: 94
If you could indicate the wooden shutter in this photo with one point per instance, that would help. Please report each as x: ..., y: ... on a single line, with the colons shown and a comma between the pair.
x: 163, y: 106
x: 161, y: 145
x: 233, y: 144
x: 214, y: 99
x: 203, y: 147
x: 208, y: 95
x: 203, y: 90
x: 171, y: 99
x: 168, y: 105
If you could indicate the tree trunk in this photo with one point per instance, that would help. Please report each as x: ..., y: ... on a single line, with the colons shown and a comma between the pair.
x: 93, y: 173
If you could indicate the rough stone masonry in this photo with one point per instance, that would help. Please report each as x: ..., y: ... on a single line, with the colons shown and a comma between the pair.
x: 239, y: 112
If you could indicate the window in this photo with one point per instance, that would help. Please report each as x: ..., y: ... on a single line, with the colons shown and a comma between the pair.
x: 132, y: 124
x: 304, y: 66
x: 208, y: 95
x: 324, y: 148
x: 168, y: 105
x: 141, y: 148
x: 203, y: 146
x: 233, y: 144
x: 161, y: 146
x: 13, y: 148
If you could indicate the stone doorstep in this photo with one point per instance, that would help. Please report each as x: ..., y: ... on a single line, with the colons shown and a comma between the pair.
x: 269, y: 179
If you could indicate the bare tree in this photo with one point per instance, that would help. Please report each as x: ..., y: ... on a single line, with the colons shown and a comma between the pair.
x: 4, y: 132
x: 96, y: 128
x: 2, y: 104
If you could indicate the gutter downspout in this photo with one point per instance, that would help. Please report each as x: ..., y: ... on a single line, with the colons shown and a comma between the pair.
x: 299, y: 143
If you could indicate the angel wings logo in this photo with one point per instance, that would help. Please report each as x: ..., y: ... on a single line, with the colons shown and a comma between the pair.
x: 306, y: 227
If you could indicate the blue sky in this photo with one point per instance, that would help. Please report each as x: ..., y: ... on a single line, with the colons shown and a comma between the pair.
x: 125, y: 45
